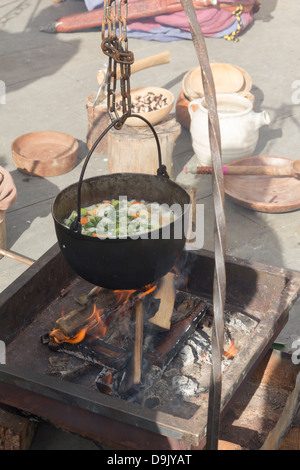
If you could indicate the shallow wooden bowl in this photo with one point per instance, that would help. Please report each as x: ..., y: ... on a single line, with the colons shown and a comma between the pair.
x: 46, y: 153
x: 154, y: 117
x: 264, y: 193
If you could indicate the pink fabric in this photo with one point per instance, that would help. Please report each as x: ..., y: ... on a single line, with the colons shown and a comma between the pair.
x: 8, y: 192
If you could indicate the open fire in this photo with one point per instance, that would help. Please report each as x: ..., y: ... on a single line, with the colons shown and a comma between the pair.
x: 151, y: 346
x: 167, y: 408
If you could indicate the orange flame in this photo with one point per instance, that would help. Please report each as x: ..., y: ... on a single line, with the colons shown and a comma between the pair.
x: 94, y: 322
x: 124, y: 296
x: 149, y: 290
x: 232, y: 351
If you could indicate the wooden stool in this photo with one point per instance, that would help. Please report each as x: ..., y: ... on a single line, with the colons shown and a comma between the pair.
x: 98, y: 121
x: 134, y: 149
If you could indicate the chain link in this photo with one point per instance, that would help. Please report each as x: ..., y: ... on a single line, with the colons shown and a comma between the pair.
x: 115, y: 46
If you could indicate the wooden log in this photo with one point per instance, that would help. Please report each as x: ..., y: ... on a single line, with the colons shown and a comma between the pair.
x: 166, y: 292
x: 16, y: 432
x: 134, y: 149
x: 95, y: 352
x: 138, y: 343
x: 176, y: 337
x: 286, y: 419
x: 292, y: 440
x: 72, y: 322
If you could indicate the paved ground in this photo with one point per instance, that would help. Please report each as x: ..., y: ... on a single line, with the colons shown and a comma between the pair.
x: 48, y: 79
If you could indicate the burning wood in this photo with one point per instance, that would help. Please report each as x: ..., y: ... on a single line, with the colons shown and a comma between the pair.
x: 180, y: 332
x: 104, y: 381
x: 231, y: 352
x: 151, y: 345
x: 76, y: 323
x: 92, y: 351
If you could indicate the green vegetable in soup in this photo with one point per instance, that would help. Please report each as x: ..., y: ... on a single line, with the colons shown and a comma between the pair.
x: 122, y: 218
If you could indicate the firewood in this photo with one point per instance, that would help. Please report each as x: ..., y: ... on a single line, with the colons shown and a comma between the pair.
x: 71, y: 323
x: 95, y: 352
x: 286, y: 419
x: 16, y: 432
x: 176, y: 337
x: 167, y: 294
x: 138, y: 344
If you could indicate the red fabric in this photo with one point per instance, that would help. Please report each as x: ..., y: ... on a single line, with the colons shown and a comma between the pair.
x: 212, y: 20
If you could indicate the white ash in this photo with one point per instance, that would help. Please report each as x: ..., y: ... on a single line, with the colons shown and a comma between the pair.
x: 240, y: 322
x: 184, y: 386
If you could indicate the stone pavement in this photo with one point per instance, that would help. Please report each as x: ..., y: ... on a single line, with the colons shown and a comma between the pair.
x: 48, y: 79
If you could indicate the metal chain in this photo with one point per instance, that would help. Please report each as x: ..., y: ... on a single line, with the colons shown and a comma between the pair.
x: 115, y: 46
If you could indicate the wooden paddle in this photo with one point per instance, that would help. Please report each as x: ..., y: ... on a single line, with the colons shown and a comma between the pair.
x: 291, y: 170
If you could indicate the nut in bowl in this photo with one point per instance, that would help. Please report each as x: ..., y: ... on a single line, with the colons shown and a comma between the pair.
x: 152, y: 103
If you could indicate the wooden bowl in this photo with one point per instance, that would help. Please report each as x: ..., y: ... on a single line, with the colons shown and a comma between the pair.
x: 274, y: 194
x: 228, y: 78
x: 154, y: 117
x: 46, y: 153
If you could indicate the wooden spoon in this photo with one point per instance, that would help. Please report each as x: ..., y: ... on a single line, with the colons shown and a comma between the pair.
x: 291, y: 170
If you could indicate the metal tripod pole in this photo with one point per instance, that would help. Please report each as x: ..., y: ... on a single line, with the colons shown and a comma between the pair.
x: 219, y: 287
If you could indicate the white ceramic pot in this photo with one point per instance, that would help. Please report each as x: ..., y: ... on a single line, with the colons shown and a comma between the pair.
x: 239, y: 127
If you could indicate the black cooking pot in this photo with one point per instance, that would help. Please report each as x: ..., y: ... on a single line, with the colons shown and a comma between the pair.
x: 122, y: 263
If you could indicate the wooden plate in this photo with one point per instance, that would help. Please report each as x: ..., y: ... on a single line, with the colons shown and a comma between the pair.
x: 46, y: 153
x: 264, y: 193
x: 227, y: 78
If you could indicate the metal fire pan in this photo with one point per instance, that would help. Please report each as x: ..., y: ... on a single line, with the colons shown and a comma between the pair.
x: 262, y: 292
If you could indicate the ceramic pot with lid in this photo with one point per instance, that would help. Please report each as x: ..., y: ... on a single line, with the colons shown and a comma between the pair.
x: 239, y: 127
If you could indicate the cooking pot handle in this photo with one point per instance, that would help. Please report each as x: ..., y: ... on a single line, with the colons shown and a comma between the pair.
x: 162, y: 170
